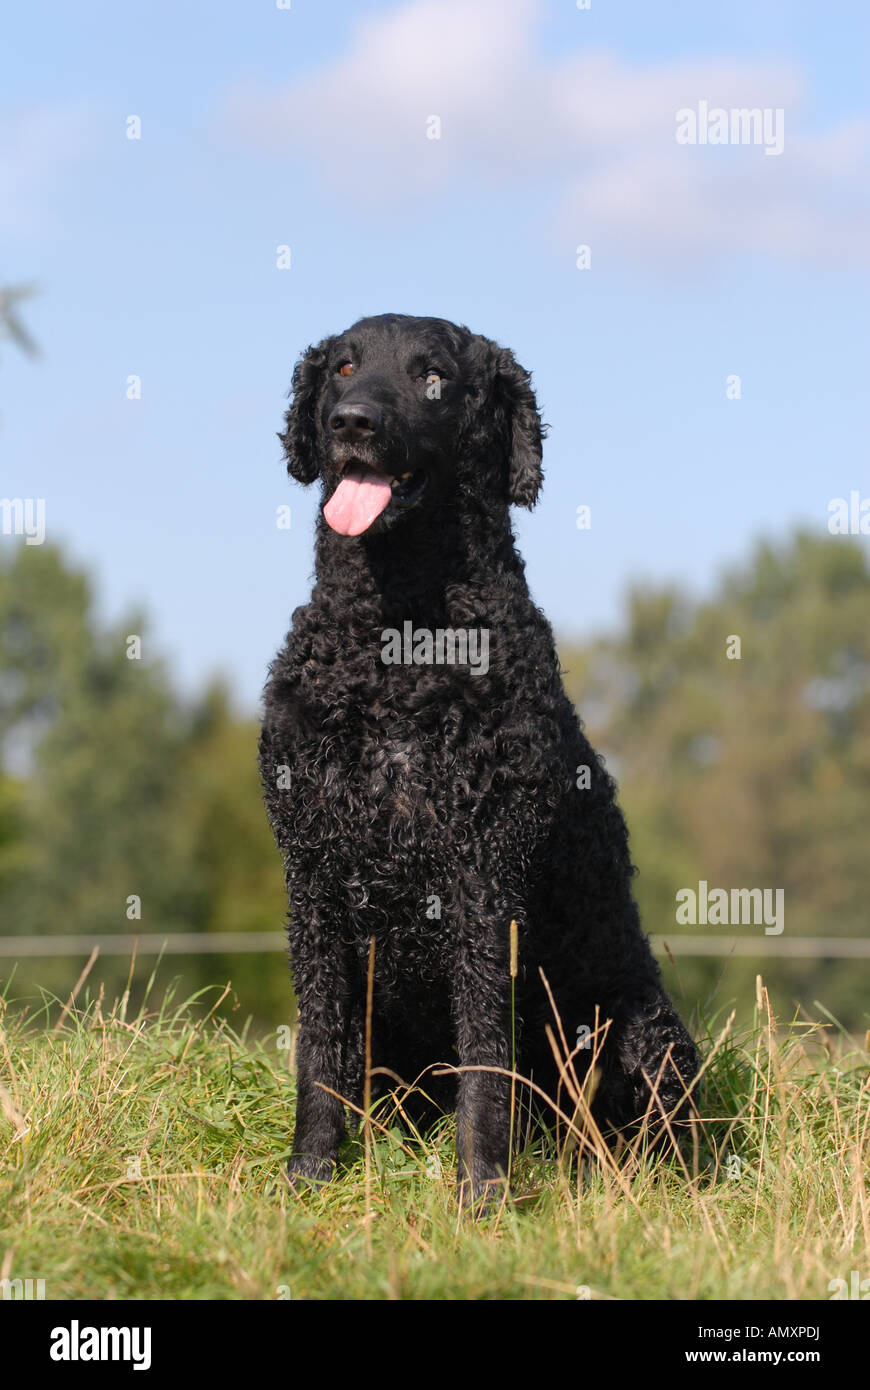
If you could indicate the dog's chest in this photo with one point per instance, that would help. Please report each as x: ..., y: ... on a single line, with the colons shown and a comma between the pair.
x: 369, y: 810
x: 392, y: 776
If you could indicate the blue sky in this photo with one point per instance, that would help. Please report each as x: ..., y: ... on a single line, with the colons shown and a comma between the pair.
x: 306, y: 127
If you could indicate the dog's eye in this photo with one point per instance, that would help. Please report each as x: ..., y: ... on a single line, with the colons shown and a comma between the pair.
x: 345, y: 369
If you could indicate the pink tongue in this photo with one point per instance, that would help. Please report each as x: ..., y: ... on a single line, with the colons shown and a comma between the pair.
x: 360, y: 496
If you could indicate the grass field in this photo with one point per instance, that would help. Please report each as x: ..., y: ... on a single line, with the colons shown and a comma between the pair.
x: 139, y: 1159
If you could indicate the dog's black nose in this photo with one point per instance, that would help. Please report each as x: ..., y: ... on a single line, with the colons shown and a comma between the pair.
x: 354, y: 422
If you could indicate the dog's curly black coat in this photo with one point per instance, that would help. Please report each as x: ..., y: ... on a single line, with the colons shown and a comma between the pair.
x: 427, y: 806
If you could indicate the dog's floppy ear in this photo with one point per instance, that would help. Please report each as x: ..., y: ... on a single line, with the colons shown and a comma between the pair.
x: 505, y: 405
x: 300, y: 423
x: 525, y: 429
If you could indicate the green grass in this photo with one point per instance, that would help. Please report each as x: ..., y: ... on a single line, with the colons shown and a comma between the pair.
x: 142, y: 1158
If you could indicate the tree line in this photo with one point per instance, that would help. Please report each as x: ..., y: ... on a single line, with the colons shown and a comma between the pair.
x: 738, y: 728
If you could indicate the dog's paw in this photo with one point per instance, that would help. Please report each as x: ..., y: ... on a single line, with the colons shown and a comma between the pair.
x: 305, y: 1171
x: 479, y: 1198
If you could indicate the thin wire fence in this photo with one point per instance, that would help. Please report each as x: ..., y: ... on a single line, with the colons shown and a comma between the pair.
x: 243, y: 943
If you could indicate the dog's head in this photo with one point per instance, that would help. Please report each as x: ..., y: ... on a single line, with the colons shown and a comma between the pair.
x: 399, y: 412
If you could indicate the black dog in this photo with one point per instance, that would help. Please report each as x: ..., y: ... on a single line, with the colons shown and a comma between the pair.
x: 424, y: 769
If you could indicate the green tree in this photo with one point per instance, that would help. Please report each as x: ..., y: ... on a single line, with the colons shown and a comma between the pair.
x: 94, y: 739
x: 220, y: 828
x: 753, y: 772
x: 11, y: 325
x: 117, y: 798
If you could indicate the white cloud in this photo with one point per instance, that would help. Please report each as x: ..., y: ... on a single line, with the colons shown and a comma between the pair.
x: 602, y: 131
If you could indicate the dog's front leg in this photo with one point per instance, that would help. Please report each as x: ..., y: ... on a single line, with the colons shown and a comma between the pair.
x: 323, y: 993
x: 482, y: 1020
x: 658, y: 1063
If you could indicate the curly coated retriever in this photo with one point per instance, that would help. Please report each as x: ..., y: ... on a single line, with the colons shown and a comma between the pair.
x: 426, y: 776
